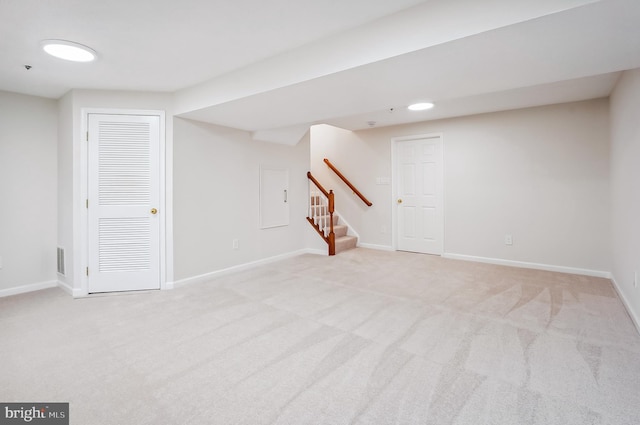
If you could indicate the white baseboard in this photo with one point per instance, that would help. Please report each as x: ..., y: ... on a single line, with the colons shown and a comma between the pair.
x: 634, y: 317
x: 65, y: 287
x: 526, y: 265
x: 74, y: 292
x: 313, y: 251
x: 241, y: 267
x: 374, y: 246
x: 28, y: 288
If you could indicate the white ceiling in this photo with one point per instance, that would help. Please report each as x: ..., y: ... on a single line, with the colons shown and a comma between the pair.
x: 163, y: 45
x: 275, y: 67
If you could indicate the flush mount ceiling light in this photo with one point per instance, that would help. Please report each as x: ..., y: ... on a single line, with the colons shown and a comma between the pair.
x: 68, y: 50
x: 420, y: 106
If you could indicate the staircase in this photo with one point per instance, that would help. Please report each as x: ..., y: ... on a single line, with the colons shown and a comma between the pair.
x: 322, y: 217
x: 319, y: 218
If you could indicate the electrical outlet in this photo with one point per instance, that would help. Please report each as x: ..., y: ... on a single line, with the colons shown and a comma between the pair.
x: 508, y: 240
x: 383, y: 229
x: 235, y: 244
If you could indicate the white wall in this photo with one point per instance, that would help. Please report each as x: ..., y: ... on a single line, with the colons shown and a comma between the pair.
x: 216, y: 198
x: 540, y: 174
x: 28, y: 213
x: 65, y: 185
x: 625, y: 188
x: 72, y: 156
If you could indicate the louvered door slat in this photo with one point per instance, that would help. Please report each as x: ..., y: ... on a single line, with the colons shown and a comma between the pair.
x: 124, y: 168
x: 124, y: 244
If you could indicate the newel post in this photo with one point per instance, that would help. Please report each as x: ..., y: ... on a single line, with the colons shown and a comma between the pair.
x: 332, y: 236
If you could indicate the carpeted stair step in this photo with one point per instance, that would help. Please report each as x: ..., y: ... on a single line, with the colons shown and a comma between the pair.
x: 344, y: 243
x: 340, y: 230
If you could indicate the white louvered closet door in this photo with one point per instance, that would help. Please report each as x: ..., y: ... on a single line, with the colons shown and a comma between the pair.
x: 123, y: 203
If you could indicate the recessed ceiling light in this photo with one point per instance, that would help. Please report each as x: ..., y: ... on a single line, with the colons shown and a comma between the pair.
x: 68, y: 50
x: 420, y: 106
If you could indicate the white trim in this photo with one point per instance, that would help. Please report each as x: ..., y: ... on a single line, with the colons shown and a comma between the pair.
x: 81, y: 222
x: 394, y: 181
x: 627, y: 305
x: 74, y: 292
x: 28, y: 288
x: 241, y: 267
x: 65, y: 287
x: 167, y: 195
x: 527, y: 265
x: 313, y: 251
x: 376, y: 247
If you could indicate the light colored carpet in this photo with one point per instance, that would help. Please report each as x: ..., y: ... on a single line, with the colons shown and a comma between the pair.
x: 365, y: 337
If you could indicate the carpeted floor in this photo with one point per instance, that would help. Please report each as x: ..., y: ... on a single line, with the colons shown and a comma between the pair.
x: 365, y: 337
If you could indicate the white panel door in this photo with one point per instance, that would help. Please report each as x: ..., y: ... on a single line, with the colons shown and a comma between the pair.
x: 419, y: 203
x: 123, y: 202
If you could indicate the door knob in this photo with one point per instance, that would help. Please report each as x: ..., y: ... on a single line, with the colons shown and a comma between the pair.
x: 399, y: 201
x: 154, y: 211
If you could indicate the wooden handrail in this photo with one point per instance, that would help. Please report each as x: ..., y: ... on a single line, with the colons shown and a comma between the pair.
x: 317, y: 183
x: 347, y: 182
x: 330, y: 239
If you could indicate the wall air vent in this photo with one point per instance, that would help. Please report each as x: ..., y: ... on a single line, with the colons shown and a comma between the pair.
x: 61, y: 261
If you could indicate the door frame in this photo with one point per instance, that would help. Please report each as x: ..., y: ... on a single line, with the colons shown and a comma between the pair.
x: 82, y: 221
x: 395, y: 142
